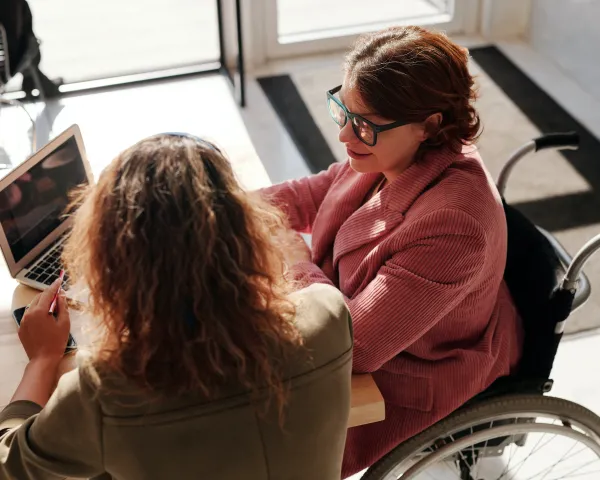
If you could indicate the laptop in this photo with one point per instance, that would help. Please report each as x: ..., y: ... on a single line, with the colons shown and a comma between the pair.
x: 33, y: 199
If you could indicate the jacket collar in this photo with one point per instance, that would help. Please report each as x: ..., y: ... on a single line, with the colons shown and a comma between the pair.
x: 402, y: 192
x: 385, y: 210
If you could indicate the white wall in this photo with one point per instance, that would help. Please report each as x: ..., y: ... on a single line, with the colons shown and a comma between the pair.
x: 502, y: 19
x: 568, y: 33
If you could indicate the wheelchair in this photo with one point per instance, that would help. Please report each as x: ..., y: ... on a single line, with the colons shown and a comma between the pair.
x: 497, y: 434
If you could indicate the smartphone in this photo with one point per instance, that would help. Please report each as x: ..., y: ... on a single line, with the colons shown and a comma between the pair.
x: 18, y: 316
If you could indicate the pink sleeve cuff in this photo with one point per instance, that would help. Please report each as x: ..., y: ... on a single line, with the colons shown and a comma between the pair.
x: 306, y: 273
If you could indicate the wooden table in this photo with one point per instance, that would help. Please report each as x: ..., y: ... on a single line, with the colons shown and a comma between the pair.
x: 366, y: 405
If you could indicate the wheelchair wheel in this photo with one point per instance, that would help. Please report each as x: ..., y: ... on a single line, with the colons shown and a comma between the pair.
x: 514, y: 437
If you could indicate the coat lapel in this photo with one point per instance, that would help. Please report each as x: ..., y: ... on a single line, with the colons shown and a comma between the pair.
x: 384, y: 211
x: 342, y: 201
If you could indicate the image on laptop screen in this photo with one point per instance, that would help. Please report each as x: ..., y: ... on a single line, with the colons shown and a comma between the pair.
x: 33, y: 205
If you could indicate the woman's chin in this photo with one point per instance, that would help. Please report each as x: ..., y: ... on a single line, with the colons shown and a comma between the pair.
x: 361, y: 165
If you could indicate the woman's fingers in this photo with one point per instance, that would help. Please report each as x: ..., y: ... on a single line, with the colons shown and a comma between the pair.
x: 62, y: 312
x: 46, y: 297
x: 35, y: 301
x: 43, y: 335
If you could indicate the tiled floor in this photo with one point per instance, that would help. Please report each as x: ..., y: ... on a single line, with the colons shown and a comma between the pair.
x: 262, y: 151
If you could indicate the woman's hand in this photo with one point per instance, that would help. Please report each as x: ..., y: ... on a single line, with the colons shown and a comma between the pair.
x: 297, y: 249
x: 44, y: 336
x: 293, y: 246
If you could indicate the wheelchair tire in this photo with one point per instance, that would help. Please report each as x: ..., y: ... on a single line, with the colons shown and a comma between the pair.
x: 476, y: 414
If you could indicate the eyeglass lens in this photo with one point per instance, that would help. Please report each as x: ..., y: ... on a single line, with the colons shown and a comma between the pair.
x: 362, y: 129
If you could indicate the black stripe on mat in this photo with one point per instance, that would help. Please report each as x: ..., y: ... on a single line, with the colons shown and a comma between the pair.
x: 297, y: 120
x: 560, y: 212
x: 553, y: 213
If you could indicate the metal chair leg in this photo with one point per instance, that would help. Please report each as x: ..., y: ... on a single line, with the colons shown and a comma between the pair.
x: 34, y: 78
x: 15, y: 103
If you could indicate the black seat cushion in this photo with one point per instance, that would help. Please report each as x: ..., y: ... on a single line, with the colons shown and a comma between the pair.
x: 15, y: 17
x: 532, y: 274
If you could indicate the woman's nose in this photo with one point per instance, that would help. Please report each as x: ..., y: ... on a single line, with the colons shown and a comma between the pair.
x: 346, y: 134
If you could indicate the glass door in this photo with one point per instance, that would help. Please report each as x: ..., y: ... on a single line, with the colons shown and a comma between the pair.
x: 87, y: 45
x: 88, y: 40
x: 295, y: 27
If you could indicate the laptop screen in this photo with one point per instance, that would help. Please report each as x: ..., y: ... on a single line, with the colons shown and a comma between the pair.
x: 32, y: 206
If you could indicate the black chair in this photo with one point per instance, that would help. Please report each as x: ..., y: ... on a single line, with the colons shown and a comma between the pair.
x: 20, y: 50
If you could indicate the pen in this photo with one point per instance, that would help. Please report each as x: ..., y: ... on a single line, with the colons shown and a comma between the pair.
x: 61, y: 277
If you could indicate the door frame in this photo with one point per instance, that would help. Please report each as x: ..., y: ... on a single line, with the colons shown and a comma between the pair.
x: 262, y: 26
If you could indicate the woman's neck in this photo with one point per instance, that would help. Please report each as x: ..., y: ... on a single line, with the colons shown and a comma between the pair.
x: 402, y: 164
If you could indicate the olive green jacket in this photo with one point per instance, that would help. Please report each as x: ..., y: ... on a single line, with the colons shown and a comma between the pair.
x: 104, y: 428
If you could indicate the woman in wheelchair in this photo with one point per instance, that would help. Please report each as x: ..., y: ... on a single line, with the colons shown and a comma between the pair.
x: 412, y: 230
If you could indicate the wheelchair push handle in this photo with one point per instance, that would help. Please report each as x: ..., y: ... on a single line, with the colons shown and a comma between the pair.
x: 568, y: 140
x: 581, y: 284
x: 572, y: 281
x: 571, y: 278
x: 557, y: 141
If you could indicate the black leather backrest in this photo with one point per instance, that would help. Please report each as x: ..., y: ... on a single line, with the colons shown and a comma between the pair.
x: 532, y: 266
x: 15, y: 17
x: 532, y: 274
x: 5, y: 74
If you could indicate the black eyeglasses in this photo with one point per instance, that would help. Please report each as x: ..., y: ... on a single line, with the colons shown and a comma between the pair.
x: 365, y: 130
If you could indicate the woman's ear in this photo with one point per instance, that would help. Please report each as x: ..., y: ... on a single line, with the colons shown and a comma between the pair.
x: 432, y: 125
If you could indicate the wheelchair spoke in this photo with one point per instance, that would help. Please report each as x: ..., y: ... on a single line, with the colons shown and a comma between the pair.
x: 507, y: 467
x: 484, y: 448
x: 537, y: 447
x: 570, y: 474
x: 452, y: 470
x: 549, y: 469
x: 496, y: 440
x: 460, y: 452
x: 473, y: 457
x: 461, y: 456
x: 512, y: 467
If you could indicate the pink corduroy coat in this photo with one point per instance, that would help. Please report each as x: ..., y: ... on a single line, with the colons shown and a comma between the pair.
x: 421, y: 264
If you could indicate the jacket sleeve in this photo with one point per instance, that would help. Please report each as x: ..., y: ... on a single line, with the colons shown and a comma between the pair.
x: 417, y: 287
x: 62, y: 440
x: 300, y: 199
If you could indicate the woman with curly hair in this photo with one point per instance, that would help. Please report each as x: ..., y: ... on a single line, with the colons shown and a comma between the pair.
x: 411, y: 229
x: 206, y: 365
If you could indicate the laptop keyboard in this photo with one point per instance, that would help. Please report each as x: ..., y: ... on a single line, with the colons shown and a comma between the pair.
x: 47, y: 269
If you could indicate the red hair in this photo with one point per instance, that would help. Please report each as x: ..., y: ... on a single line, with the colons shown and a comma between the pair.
x: 410, y: 73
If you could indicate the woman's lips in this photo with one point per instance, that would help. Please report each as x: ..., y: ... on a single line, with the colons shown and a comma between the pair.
x: 356, y: 155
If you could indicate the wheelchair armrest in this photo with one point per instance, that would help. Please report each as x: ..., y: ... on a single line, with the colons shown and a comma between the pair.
x: 584, y: 289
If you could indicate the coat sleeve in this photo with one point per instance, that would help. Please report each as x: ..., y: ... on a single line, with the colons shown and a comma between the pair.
x: 62, y: 440
x: 417, y: 287
x: 300, y: 199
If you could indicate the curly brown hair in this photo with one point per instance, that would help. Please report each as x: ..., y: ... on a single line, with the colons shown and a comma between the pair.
x: 409, y: 73
x: 182, y: 272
